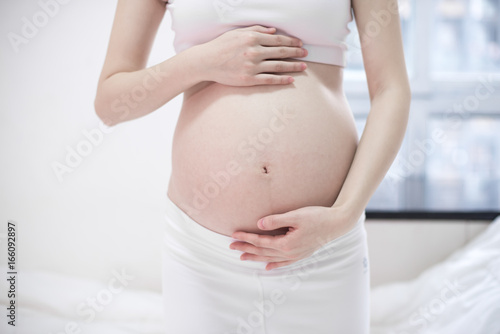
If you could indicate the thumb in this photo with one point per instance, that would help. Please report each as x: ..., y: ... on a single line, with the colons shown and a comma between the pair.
x: 273, y: 222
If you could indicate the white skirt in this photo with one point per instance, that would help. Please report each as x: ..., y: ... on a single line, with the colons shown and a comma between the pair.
x: 207, y: 289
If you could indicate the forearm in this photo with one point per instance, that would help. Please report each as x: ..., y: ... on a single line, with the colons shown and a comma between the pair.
x: 377, y: 149
x: 126, y: 96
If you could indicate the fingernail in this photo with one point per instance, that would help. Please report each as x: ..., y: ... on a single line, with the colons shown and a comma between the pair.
x: 261, y: 221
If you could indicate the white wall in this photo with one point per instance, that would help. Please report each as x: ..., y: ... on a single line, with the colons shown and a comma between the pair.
x: 108, y: 212
x: 401, y: 249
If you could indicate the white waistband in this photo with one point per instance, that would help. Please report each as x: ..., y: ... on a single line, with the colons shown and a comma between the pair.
x: 190, y: 241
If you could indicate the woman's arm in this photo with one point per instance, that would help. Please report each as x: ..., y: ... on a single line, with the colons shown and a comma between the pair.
x: 382, y: 48
x: 134, y: 28
x: 311, y: 227
x: 127, y: 90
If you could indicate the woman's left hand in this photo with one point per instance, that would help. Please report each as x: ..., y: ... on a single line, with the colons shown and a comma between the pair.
x: 309, y: 228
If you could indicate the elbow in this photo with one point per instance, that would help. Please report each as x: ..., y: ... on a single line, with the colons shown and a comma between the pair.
x: 107, y: 107
x: 401, y: 95
x: 103, y: 112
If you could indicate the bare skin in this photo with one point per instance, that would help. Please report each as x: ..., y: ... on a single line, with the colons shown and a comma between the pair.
x: 307, y: 176
x: 243, y: 153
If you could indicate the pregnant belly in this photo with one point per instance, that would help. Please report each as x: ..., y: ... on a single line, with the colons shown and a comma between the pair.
x: 242, y: 153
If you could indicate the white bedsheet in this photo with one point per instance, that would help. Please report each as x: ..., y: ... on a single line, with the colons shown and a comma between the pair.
x: 460, y: 295
x: 51, y: 303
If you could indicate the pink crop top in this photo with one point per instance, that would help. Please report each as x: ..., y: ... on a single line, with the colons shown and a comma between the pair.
x: 321, y: 25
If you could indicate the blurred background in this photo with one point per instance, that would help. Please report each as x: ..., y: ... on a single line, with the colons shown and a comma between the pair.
x: 87, y: 199
x: 452, y: 50
x: 90, y: 199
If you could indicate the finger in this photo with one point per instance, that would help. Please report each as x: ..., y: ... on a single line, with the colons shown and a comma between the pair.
x: 273, y: 265
x: 249, y: 248
x: 279, y: 52
x: 287, y: 220
x: 261, y: 258
x: 279, y: 40
x: 280, y: 66
x: 259, y: 240
x: 261, y: 29
x: 272, y: 79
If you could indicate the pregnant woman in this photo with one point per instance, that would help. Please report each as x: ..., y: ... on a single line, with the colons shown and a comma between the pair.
x: 264, y: 227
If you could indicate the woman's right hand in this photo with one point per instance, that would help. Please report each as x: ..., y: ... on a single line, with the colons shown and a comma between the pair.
x: 251, y: 56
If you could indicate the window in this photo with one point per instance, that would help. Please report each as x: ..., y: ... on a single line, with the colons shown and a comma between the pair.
x: 450, y: 157
x: 466, y: 36
x: 463, y: 170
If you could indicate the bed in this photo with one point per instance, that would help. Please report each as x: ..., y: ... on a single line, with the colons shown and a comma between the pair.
x: 458, y: 295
